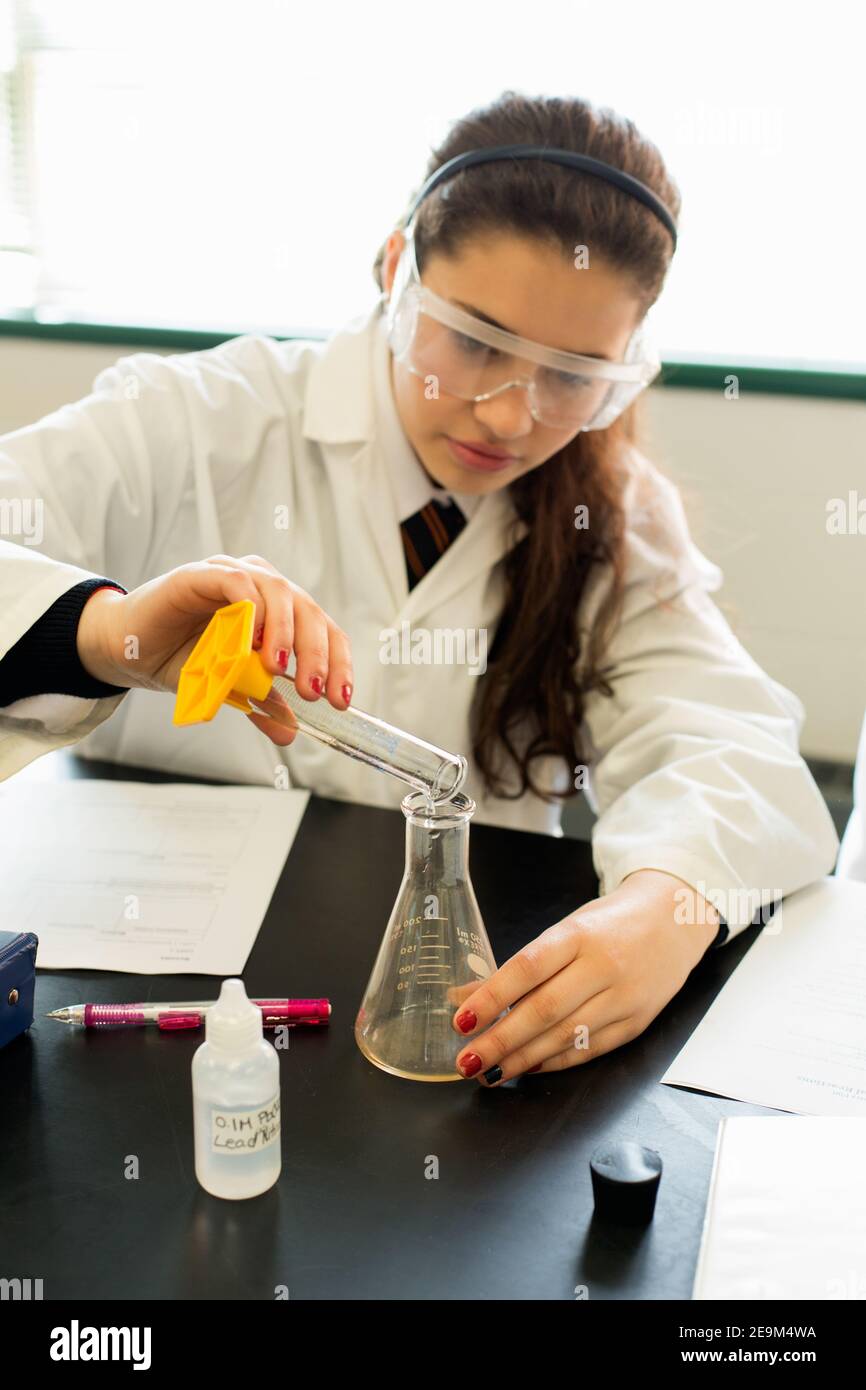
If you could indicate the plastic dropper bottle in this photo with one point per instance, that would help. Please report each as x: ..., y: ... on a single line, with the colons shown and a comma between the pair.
x: 236, y: 1100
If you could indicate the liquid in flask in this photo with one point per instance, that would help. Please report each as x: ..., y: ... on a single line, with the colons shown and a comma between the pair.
x: 435, y: 951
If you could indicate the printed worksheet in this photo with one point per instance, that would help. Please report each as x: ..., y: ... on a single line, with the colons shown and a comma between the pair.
x: 154, y: 879
x: 789, y: 1028
x: 785, y: 1214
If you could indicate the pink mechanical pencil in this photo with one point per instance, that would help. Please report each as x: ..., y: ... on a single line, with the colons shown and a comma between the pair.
x: 173, y: 1017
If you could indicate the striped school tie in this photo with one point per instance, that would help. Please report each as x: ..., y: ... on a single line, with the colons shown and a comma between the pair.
x: 427, y: 535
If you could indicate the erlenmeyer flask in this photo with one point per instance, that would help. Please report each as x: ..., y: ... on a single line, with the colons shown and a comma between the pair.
x: 434, y: 953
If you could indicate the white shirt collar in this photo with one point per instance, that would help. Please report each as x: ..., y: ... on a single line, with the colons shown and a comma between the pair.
x: 412, y: 486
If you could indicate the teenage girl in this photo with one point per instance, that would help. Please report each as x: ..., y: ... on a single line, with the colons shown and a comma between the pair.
x: 463, y: 460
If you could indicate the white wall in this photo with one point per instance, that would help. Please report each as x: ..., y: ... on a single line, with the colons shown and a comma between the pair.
x: 756, y: 473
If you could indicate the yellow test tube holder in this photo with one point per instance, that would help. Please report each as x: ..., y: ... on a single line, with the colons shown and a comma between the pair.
x: 222, y: 667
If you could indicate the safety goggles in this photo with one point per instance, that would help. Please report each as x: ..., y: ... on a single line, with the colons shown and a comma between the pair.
x: 460, y: 355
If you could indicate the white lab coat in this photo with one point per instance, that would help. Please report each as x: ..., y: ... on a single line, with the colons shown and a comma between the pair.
x: 29, y: 584
x: 694, y: 761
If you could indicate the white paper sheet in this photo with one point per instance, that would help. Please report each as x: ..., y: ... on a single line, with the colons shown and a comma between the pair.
x: 788, y: 1030
x: 785, y: 1214
x: 155, y: 879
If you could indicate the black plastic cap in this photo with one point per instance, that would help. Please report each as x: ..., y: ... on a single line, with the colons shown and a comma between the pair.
x: 625, y: 1182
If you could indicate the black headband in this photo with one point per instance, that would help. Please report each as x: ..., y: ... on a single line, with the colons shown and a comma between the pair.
x: 571, y: 158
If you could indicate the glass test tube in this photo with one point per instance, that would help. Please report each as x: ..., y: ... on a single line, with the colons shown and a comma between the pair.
x: 429, y: 769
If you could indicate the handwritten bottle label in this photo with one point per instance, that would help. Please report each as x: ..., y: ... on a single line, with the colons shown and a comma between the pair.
x: 245, y: 1131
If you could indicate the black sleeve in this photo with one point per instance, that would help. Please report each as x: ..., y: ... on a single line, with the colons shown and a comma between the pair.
x: 45, y: 660
x: 721, y: 934
x: 761, y: 917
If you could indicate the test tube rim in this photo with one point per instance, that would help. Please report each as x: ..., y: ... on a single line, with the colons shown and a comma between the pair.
x: 456, y: 810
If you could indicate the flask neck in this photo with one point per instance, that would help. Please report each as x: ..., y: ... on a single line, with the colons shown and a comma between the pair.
x: 443, y: 854
x: 437, y: 838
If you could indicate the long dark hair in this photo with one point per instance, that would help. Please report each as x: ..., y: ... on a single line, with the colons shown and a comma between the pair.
x: 529, y: 703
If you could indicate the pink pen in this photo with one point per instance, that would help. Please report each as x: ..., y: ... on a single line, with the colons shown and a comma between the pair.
x: 176, y: 1016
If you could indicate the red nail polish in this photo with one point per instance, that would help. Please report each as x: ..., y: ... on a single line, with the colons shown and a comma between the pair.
x: 535, y: 1068
x: 470, y: 1064
x: 317, y: 684
x: 346, y: 693
x: 259, y: 635
x: 467, y: 1022
x: 282, y: 658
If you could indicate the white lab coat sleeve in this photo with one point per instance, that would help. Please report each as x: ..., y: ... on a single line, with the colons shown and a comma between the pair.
x: 32, y: 583
x: 98, y: 483
x: 694, y: 763
x: 126, y: 482
x: 852, y: 855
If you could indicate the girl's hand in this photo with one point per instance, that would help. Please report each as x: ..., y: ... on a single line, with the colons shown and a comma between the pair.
x: 141, y: 639
x: 589, y: 984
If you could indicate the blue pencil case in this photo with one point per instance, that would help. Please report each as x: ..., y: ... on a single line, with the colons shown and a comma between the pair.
x: 17, y: 983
